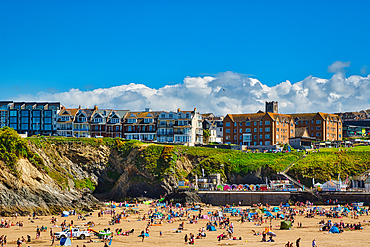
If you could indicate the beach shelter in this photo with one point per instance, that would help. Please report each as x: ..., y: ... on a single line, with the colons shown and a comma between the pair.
x: 65, y: 214
x: 205, y: 217
x: 226, y: 187
x: 65, y: 242
x: 268, y: 214
x: 211, y: 228
x: 275, y: 209
x: 285, y: 225
x: 270, y: 233
x: 334, y: 229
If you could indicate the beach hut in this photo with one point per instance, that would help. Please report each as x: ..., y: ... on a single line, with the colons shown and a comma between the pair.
x: 233, y: 187
x: 240, y: 187
x: 220, y: 187
x: 246, y: 186
x: 226, y: 187
x: 252, y: 187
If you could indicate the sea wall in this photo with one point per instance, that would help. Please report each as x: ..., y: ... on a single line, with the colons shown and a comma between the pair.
x: 246, y: 198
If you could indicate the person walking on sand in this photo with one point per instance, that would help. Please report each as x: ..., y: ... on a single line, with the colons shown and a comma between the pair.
x: 314, y: 243
x: 298, y: 242
x: 143, y: 236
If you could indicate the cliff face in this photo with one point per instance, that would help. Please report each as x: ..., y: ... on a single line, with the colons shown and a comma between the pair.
x: 47, y: 175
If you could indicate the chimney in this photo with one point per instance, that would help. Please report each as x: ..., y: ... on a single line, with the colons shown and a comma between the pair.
x: 195, y: 109
x: 63, y: 108
x: 79, y: 107
x: 178, y: 109
x: 95, y: 107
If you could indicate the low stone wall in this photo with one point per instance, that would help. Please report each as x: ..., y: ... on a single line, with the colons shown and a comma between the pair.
x: 247, y: 198
x: 347, y: 197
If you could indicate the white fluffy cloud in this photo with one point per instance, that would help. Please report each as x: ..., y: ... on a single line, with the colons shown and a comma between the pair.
x: 228, y: 92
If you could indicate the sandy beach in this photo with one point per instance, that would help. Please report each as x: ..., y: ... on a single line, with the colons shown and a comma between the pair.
x: 307, y: 233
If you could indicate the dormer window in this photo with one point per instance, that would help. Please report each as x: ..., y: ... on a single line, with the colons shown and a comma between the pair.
x: 131, y: 120
x: 114, y: 120
x: 98, y: 120
x: 65, y: 118
x: 187, y: 115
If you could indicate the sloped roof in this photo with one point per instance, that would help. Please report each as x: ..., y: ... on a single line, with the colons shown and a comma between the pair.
x: 244, y: 117
x: 301, y: 132
x: 303, y: 116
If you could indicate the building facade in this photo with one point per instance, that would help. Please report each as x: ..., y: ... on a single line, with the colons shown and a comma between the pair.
x: 141, y: 125
x: 322, y: 126
x: 31, y: 118
x: 258, y: 129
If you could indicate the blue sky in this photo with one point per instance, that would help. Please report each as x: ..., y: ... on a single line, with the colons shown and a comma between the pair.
x: 53, y: 46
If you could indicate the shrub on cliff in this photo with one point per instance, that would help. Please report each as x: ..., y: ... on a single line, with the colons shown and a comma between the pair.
x: 13, y: 147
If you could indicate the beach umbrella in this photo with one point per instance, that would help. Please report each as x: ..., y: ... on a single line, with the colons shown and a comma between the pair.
x: 271, y: 233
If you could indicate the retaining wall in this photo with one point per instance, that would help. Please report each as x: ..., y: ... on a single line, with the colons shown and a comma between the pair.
x: 247, y: 198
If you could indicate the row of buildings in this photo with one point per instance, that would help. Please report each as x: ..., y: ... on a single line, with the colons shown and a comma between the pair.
x: 264, y: 128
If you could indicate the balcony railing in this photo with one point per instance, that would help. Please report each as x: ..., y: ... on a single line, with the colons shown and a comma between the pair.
x: 165, y: 125
x: 81, y: 129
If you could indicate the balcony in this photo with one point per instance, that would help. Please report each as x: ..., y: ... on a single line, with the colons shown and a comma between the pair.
x: 164, y: 133
x: 65, y: 128
x: 165, y: 125
x: 81, y: 129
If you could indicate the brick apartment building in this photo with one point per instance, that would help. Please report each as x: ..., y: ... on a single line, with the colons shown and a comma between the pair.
x: 258, y: 129
x: 322, y: 126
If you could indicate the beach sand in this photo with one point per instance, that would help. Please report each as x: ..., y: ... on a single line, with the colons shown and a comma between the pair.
x: 307, y: 233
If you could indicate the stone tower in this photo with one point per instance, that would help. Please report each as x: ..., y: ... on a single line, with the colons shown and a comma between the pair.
x: 272, y: 106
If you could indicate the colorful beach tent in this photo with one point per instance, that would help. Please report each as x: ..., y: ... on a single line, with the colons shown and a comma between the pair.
x: 211, y: 228
x: 220, y: 187
x: 275, y: 209
x: 268, y: 214
x: 334, y: 229
x: 65, y: 242
x: 285, y: 225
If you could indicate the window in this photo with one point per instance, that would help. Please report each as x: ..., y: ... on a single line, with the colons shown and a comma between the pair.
x: 143, y: 128
x: 318, y: 134
x: 150, y: 128
x: 47, y: 127
x: 129, y: 128
x: 248, y: 123
x: 148, y: 120
x: 301, y: 122
x: 306, y: 122
x: 170, y: 115
x: 163, y: 115
x: 234, y: 137
x: 24, y: 126
x: 267, y: 143
x: 318, y: 127
x: 318, y: 121
x: 255, y: 129
x: 254, y: 143
x: 260, y: 129
x: 339, y: 123
x: 36, y: 113
x: 267, y: 122
x: 277, y: 129
x: 340, y: 136
x: 114, y: 120
x: 267, y: 129
x: 260, y: 143
x: 311, y: 128
x: 240, y: 130
x: 117, y: 128
x: 247, y: 130
x: 235, y: 124
x: 14, y: 126
x: 312, y: 121
x: 260, y: 122
x: 131, y: 120
x: 36, y: 120
x: 13, y: 120
x: 277, y: 136
x: 227, y: 124
x: 255, y: 137
x: 48, y: 114
x: 47, y: 120
x: 340, y: 129
x: 240, y: 124
x: 227, y: 130
x: 66, y: 118
x: 277, y: 123
x: 24, y: 113
x: 291, y: 131
x: 255, y: 123
x: 13, y: 113
x: 234, y: 130
x: 240, y: 137
x: 24, y: 120
x: 260, y: 136
x: 96, y: 120
x: 267, y: 136
x: 291, y: 124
